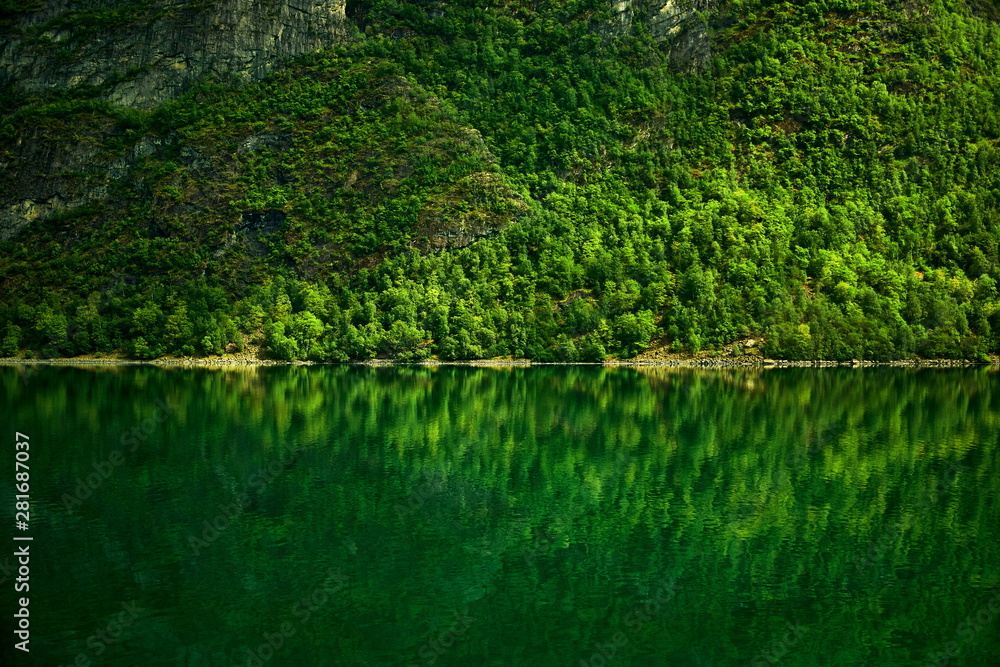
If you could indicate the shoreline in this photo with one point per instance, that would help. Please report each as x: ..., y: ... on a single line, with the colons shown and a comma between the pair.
x: 705, y: 363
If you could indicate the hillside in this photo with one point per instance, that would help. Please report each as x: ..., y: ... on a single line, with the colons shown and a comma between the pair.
x: 565, y: 180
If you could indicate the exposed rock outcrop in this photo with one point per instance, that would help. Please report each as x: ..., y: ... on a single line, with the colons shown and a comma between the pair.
x: 43, y: 176
x: 445, y: 224
x: 679, y: 23
x: 142, y: 53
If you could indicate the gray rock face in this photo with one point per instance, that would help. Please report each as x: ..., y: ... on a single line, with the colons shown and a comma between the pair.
x: 142, y: 57
x: 675, y: 22
x: 43, y: 177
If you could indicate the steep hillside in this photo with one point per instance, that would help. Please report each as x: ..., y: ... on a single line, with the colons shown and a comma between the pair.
x: 141, y: 53
x: 554, y: 180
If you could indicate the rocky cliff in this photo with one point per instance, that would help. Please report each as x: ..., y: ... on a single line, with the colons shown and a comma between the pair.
x: 137, y: 54
x: 681, y: 24
x: 142, y: 53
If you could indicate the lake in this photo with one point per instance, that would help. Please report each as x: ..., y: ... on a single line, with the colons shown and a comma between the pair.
x: 547, y: 515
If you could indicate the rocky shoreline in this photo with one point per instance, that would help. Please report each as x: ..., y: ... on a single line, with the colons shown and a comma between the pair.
x: 711, y: 362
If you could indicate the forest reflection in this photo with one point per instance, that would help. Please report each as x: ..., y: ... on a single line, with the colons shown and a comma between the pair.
x: 545, y: 502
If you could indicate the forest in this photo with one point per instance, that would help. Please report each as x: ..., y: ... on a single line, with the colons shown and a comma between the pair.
x: 508, y: 180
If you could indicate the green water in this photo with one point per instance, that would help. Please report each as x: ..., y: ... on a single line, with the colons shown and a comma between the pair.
x: 528, y: 516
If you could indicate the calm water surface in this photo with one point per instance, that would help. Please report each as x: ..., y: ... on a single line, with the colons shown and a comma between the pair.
x: 527, y: 516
